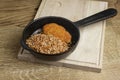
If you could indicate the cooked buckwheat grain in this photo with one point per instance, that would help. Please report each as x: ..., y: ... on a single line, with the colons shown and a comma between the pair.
x: 46, y: 44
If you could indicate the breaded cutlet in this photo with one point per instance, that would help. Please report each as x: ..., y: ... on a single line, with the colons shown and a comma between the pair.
x: 58, y: 31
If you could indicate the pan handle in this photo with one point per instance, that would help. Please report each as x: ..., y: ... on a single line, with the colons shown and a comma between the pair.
x: 97, y: 17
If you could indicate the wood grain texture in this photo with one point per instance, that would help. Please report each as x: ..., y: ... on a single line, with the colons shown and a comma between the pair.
x: 17, y: 12
x: 12, y: 23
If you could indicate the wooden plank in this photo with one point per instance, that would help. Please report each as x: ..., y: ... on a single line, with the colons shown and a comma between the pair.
x: 89, y: 52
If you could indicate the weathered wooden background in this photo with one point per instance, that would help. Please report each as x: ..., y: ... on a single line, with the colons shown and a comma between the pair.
x: 14, y: 16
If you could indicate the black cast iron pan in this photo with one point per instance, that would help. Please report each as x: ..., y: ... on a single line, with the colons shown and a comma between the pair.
x: 71, y: 27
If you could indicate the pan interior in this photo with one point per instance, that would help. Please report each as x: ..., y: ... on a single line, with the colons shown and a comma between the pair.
x: 39, y: 23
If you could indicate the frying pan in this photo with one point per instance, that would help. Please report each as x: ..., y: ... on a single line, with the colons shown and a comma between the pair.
x: 71, y: 27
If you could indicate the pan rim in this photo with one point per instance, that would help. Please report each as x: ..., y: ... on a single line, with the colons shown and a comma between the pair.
x: 25, y: 46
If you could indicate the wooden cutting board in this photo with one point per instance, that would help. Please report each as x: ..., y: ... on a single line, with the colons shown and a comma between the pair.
x: 89, y: 52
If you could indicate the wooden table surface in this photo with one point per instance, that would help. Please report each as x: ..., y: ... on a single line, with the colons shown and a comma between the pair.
x: 16, y: 14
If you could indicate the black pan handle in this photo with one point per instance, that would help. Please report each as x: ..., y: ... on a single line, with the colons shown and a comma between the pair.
x: 97, y: 17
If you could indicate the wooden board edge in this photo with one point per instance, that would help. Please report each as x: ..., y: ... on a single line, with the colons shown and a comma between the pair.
x: 43, y: 2
x: 102, y: 40
x: 60, y: 64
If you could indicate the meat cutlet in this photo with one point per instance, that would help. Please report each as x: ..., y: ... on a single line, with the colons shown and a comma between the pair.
x: 57, y: 31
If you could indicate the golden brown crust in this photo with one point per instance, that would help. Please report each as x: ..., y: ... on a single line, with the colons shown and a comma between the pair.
x: 58, y: 31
